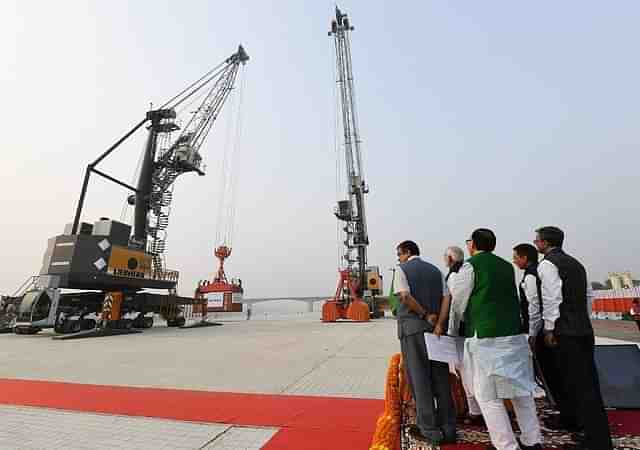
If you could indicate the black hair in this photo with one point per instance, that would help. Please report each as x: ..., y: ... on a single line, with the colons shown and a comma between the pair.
x: 527, y: 250
x: 484, y: 239
x: 553, y: 235
x: 409, y: 247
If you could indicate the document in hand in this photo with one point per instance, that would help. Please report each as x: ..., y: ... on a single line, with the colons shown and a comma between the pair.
x: 446, y: 349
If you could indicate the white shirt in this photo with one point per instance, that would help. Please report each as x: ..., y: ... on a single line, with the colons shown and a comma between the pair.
x: 552, y: 294
x: 461, y: 286
x: 400, y: 283
x: 530, y: 287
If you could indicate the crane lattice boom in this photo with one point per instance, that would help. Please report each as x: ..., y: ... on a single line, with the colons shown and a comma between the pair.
x: 167, y: 158
x: 351, y: 210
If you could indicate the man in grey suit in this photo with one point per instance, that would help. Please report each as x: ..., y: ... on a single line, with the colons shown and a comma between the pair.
x: 421, y: 289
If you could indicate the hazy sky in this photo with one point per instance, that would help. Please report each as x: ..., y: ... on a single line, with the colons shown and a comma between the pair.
x: 507, y: 115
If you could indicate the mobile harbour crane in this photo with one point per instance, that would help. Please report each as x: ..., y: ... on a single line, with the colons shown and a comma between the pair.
x: 105, y: 265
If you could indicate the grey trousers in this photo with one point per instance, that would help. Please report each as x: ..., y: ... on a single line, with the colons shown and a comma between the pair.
x: 429, y: 383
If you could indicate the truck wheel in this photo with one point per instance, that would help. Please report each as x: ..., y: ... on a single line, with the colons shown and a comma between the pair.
x: 72, y: 326
x: 87, y: 324
x: 26, y: 330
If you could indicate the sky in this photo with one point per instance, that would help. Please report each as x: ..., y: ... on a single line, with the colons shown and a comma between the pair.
x: 505, y: 115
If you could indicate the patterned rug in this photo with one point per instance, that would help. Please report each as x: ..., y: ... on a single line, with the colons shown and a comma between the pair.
x: 624, y: 425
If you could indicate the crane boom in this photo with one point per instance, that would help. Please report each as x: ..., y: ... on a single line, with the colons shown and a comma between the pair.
x: 357, y: 280
x: 352, y: 210
x: 162, y: 166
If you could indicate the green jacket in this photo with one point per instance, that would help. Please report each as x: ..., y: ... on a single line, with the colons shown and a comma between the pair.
x: 493, y: 309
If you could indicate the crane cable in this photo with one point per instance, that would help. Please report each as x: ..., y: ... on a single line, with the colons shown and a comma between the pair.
x: 238, y: 140
x: 229, y: 170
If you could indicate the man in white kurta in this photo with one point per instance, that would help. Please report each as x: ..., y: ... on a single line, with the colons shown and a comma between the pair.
x: 454, y: 258
x: 497, y: 357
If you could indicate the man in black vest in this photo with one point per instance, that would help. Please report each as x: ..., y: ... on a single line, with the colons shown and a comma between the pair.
x: 421, y: 289
x: 567, y: 329
x: 525, y: 257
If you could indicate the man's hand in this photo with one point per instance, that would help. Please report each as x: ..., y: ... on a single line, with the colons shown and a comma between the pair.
x: 432, y: 319
x: 550, y: 339
x: 438, y: 330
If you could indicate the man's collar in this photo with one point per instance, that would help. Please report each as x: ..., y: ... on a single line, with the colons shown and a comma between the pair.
x: 413, y: 257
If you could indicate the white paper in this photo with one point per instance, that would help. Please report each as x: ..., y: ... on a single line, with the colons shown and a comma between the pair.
x: 446, y: 349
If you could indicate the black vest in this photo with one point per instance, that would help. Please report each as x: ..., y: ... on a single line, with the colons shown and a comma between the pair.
x: 574, y: 317
x: 425, y: 283
x: 531, y: 269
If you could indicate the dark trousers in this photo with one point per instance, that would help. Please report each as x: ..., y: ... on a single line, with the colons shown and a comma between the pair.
x: 638, y: 323
x: 580, y: 399
x: 429, y: 381
x: 548, y: 370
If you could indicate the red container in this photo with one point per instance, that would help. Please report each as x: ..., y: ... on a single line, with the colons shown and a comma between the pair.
x: 598, y: 305
x: 609, y: 305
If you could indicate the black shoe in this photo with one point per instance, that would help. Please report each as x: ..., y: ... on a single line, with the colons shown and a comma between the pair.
x: 434, y: 438
x: 529, y: 447
x: 555, y: 423
x: 449, y: 439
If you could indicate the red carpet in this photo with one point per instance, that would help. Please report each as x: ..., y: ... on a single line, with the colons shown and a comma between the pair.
x: 311, y: 423
x: 305, y: 422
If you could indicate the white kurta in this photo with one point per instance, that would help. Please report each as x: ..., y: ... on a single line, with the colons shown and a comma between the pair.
x: 474, y: 408
x: 499, y: 367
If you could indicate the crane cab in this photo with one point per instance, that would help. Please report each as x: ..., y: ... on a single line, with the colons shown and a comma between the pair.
x: 187, y: 157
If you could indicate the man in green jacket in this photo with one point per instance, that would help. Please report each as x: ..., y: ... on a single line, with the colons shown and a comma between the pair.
x: 497, y: 358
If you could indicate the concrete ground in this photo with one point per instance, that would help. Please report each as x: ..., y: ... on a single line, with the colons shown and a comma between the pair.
x: 625, y: 330
x: 304, y: 357
x: 301, y: 357
x: 289, y: 357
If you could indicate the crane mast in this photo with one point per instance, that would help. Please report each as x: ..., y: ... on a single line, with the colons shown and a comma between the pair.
x: 352, y: 210
x: 356, y: 281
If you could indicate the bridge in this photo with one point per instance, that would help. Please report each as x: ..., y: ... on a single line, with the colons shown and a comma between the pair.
x: 309, y: 300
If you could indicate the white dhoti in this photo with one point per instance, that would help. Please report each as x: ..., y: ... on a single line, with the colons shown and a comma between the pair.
x: 497, y: 369
x: 474, y: 408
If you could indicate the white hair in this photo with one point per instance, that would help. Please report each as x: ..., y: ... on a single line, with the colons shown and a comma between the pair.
x: 456, y: 253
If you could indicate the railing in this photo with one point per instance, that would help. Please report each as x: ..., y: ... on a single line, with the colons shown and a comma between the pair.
x: 165, y: 275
